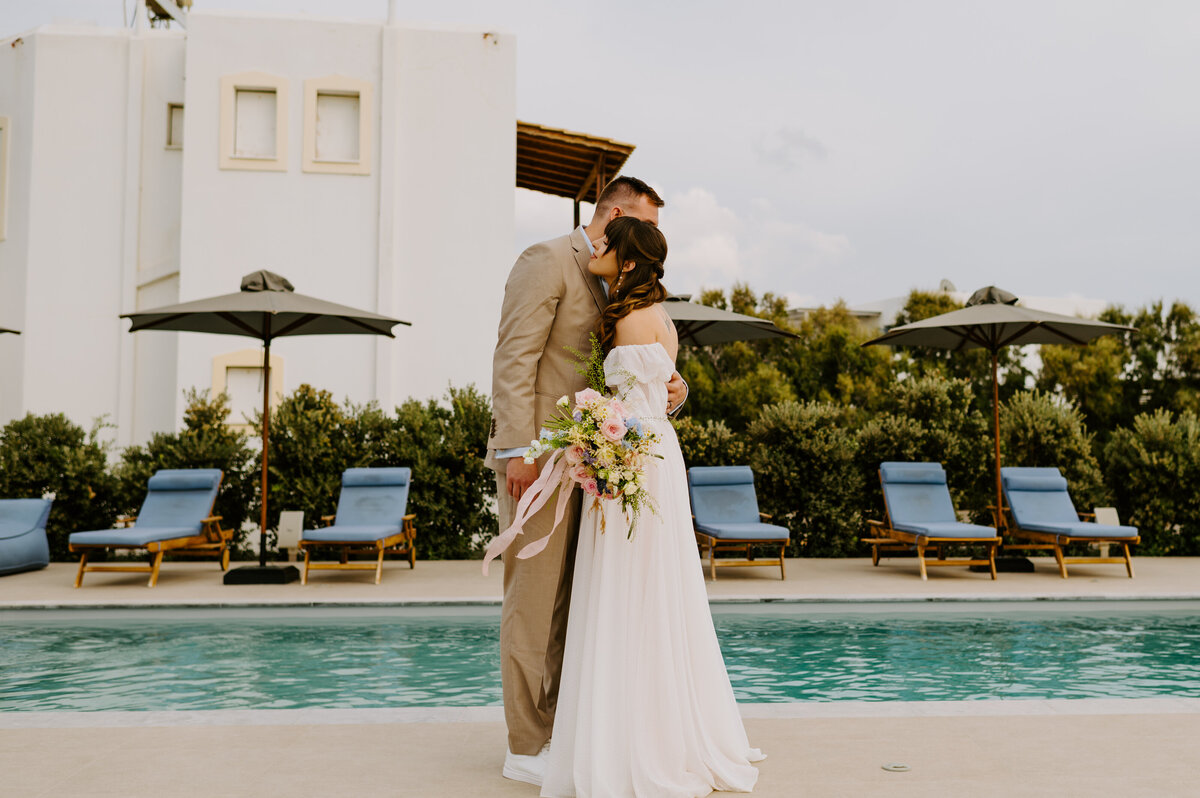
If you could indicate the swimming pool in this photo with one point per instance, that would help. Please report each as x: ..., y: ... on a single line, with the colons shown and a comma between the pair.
x: 359, y: 657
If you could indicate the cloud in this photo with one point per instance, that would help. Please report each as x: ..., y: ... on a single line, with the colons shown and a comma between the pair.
x: 787, y: 147
x: 713, y: 246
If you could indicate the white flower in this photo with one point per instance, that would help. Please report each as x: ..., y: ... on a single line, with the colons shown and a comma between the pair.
x: 563, y: 402
x: 529, y: 460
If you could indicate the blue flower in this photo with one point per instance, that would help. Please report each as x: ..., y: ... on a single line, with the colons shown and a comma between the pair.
x: 578, y: 416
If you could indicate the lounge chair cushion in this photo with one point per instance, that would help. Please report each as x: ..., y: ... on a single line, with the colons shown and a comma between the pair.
x: 178, y: 497
x: 750, y: 531
x: 948, y: 529
x: 723, y: 495
x: 23, y: 544
x: 340, y: 533
x: 373, y: 496
x: 913, y: 473
x: 916, y: 494
x: 137, y: 535
x: 1083, y: 529
x: 1040, y: 502
x: 22, y: 516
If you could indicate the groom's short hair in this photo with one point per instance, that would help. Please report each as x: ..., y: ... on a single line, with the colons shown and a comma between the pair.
x: 626, y: 189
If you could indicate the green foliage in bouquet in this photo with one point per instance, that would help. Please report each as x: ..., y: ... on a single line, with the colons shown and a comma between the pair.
x: 591, y: 366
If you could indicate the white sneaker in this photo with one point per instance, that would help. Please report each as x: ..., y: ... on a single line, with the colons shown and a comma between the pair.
x: 529, y: 769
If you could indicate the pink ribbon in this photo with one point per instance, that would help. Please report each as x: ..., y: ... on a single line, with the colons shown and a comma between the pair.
x: 553, y: 477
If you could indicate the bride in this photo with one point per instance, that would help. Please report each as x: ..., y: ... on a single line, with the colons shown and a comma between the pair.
x: 645, y: 707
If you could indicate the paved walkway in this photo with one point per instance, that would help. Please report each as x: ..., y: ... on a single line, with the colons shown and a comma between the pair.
x: 199, y: 584
x: 994, y: 748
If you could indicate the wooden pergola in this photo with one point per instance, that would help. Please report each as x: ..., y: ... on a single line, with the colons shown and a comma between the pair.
x: 567, y: 164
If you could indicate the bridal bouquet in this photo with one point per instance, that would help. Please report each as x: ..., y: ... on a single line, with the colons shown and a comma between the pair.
x: 598, y: 445
x: 604, y: 448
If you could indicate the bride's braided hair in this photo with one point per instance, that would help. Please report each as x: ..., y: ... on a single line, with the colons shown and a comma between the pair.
x: 631, y: 239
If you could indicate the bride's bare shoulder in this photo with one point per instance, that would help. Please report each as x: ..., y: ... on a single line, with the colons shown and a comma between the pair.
x: 640, y: 326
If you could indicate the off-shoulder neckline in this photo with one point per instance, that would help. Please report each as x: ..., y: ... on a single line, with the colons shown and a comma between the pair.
x: 659, y: 344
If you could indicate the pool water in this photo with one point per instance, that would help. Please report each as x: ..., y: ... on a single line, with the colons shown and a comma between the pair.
x: 392, y: 657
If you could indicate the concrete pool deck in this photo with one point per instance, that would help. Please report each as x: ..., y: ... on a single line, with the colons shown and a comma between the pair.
x: 1143, y: 747
x: 460, y: 581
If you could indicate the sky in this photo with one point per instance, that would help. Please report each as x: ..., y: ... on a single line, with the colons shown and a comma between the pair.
x: 857, y: 150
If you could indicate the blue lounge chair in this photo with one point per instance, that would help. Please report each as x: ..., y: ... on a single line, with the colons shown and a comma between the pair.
x: 726, y: 517
x: 370, y: 515
x: 1042, y: 512
x: 176, y: 516
x: 23, y: 544
x: 920, y: 514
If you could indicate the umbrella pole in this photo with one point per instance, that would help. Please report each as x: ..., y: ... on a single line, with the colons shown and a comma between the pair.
x: 266, y: 370
x: 996, y: 427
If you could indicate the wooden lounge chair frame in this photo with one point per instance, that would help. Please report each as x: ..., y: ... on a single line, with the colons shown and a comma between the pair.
x: 1052, y: 540
x: 713, y: 545
x: 403, y: 543
x: 1055, y: 541
x: 212, y: 540
x: 888, y: 539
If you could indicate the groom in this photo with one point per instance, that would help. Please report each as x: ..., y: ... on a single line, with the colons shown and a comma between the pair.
x: 551, y: 302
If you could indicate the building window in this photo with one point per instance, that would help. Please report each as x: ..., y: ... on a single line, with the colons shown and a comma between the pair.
x: 254, y: 122
x: 4, y: 136
x: 239, y: 376
x: 337, y: 125
x: 174, y: 126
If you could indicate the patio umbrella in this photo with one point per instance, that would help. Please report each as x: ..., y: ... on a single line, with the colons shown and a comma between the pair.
x: 265, y: 308
x: 703, y: 325
x: 992, y: 320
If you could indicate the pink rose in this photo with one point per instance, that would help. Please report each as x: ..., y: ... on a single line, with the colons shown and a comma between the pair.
x: 617, y: 409
x: 613, y: 428
x: 574, y: 455
x: 580, y: 474
x: 590, y: 486
x: 585, y: 396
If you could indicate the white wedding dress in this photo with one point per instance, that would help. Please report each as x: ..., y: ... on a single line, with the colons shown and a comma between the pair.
x: 645, y: 707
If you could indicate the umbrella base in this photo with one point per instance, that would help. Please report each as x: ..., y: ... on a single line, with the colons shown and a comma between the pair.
x: 262, y: 575
x: 1007, y: 565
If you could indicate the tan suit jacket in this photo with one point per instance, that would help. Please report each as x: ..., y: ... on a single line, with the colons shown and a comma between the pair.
x: 551, y: 302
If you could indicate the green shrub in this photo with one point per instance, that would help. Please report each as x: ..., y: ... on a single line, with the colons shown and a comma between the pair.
x: 206, y: 441
x: 50, y: 454
x: 1038, y: 430
x: 711, y: 443
x: 452, y: 490
x: 1153, y: 470
x: 314, y: 439
x: 803, y: 461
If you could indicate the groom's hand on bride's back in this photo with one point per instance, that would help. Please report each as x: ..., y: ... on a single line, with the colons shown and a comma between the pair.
x: 677, y: 391
x: 519, y: 476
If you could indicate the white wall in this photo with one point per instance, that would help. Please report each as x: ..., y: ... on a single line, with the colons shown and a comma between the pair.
x: 72, y: 336
x: 318, y: 230
x: 455, y: 172
x: 17, y: 60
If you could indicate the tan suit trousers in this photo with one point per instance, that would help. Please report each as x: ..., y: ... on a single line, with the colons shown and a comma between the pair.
x: 533, y: 622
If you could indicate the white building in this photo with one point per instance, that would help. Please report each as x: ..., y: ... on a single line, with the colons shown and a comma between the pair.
x: 371, y: 164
